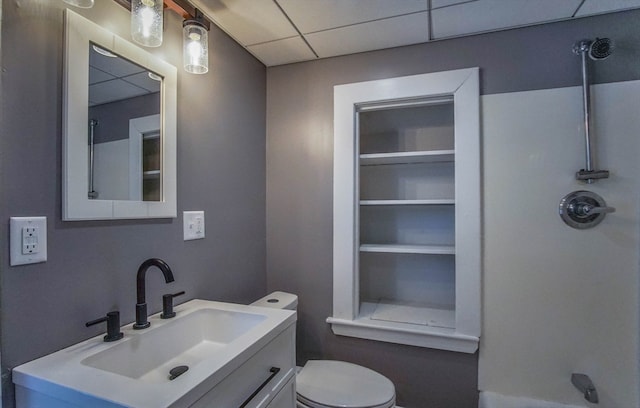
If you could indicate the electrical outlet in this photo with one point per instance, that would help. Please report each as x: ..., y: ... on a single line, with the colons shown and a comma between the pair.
x: 193, y: 225
x: 28, y: 240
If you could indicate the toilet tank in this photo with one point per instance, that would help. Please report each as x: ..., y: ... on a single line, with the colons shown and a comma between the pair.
x: 278, y: 300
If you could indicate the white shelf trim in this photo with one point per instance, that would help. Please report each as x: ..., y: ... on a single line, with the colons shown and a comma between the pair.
x: 430, y: 156
x: 403, y: 333
x: 439, y: 201
x: 409, y: 249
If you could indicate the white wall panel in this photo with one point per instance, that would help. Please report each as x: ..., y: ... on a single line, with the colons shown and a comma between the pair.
x: 558, y: 300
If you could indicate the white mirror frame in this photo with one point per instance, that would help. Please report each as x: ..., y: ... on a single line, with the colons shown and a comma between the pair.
x: 76, y: 205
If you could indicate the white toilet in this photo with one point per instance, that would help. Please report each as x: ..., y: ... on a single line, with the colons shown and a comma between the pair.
x: 334, y: 384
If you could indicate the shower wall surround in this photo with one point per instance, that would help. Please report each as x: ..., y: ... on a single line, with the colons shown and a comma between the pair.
x: 571, y: 295
x: 91, y: 267
x: 529, y: 162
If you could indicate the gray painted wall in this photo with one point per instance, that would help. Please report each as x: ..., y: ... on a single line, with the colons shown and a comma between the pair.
x: 92, y: 265
x: 113, y: 118
x: 300, y: 167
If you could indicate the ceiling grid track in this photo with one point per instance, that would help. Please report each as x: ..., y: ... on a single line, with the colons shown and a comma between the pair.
x: 296, y: 28
x: 578, y: 9
x: 429, y: 22
x: 365, y: 22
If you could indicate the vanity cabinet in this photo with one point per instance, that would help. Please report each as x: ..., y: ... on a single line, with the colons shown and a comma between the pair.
x: 235, y: 356
x: 239, y: 387
x: 407, y: 210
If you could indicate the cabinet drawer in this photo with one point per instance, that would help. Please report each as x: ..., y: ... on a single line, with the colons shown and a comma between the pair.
x: 234, y: 390
x: 286, y: 397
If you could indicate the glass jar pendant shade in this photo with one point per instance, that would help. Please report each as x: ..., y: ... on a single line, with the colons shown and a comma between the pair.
x: 80, y: 3
x: 146, y: 22
x: 195, y: 48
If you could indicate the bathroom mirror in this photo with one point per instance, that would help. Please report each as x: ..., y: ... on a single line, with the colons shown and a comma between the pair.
x: 119, y: 127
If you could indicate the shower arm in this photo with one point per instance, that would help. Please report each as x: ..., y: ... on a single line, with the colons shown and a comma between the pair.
x: 587, y: 174
x: 92, y: 194
x: 586, y: 106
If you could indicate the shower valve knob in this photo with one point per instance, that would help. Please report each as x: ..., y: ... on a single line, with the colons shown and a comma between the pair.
x: 583, y: 209
x: 588, y: 209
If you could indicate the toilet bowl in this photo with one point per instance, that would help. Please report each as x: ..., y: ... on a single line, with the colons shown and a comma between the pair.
x: 334, y: 384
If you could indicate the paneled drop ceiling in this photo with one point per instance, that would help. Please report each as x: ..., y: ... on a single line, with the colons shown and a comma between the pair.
x: 285, y: 31
x: 113, y: 79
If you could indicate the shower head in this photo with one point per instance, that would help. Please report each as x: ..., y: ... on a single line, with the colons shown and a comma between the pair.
x: 600, y: 49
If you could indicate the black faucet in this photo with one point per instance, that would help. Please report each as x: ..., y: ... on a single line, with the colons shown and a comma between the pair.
x: 141, y: 304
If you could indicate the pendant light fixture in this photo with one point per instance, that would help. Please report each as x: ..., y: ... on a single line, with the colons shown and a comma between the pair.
x: 80, y: 3
x: 146, y: 22
x: 195, y: 44
x: 146, y: 28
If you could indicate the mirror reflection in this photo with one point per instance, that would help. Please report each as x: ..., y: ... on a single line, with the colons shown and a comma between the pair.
x: 124, y: 129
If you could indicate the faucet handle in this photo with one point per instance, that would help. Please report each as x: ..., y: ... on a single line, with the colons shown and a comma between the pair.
x: 113, y: 325
x: 167, y: 305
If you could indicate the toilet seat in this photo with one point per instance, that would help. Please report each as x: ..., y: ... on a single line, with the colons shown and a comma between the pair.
x: 337, y: 384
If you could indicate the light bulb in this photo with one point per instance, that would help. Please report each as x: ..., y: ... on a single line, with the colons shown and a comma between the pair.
x: 195, y: 47
x: 146, y: 22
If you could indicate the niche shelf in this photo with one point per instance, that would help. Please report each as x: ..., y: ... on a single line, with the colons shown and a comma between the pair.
x: 407, y: 210
x: 409, y: 249
x: 407, y: 157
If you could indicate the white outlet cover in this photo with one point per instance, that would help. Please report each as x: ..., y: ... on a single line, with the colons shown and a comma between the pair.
x: 193, y: 225
x: 36, y: 241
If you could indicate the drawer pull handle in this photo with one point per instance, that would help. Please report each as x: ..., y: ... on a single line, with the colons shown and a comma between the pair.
x: 274, y: 371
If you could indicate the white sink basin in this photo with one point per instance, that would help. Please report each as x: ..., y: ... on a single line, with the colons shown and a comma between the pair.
x: 211, y: 338
x: 185, y: 341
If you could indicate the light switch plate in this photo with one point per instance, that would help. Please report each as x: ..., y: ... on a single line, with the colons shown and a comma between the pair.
x: 193, y: 225
x: 28, y: 240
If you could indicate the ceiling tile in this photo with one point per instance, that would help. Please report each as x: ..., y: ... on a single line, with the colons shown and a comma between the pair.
x: 282, y: 51
x: 445, y: 3
x: 313, y: 15
x: 143, y: 80
x: 387, y: 33
x: 115, y: 90
x: 248, y: 21
x: 486, y: 15
x: 602, y: 6
x: 95, y: 76
x: 115, y: 66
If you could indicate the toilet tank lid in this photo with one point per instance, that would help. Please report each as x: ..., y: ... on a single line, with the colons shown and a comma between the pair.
x: 341, y: 384
x: 278, y: 300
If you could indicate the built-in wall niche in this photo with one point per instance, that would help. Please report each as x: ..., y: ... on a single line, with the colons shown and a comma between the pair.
x: 407, y: 210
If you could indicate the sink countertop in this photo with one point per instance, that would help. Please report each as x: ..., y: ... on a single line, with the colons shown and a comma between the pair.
x: 63, y: 374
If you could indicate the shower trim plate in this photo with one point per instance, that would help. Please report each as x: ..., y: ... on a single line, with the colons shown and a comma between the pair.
x: 583, y: 209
